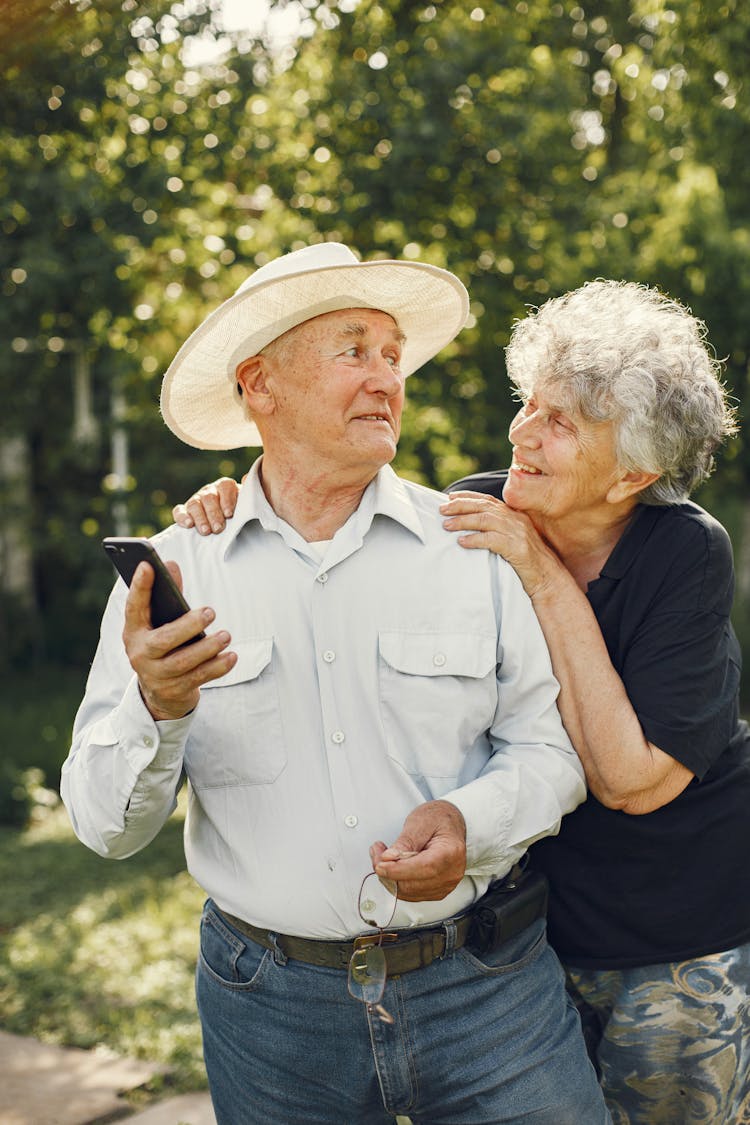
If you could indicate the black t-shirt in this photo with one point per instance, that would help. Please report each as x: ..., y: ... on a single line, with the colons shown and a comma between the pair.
x: 675, y: 883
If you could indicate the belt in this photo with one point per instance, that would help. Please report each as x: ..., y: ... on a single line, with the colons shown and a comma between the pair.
x: 406, y: 950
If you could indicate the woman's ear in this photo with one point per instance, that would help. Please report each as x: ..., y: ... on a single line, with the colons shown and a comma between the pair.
x: 254, y: 385
x: 630, y: 484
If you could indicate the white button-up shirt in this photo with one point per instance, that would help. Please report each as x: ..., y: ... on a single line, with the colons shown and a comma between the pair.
x: 396, y: 669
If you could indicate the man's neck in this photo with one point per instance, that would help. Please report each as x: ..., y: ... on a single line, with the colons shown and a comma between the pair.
x: 315, y: 505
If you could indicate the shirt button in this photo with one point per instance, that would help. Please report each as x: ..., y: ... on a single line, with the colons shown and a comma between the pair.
x: 148, y: 742
x: 351, y: 821
x: 439, y: 659
x: 323, y: 577
x: 329, y: 656
x: 338, y: 736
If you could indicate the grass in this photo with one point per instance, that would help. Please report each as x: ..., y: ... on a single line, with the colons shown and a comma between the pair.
x: 37, y: 711
x: 98, y: 952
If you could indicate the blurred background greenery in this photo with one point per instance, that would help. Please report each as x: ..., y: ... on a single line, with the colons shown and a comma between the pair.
x: 150, y: 159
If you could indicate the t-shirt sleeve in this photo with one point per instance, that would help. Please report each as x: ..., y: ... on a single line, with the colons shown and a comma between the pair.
x: 681, y: 670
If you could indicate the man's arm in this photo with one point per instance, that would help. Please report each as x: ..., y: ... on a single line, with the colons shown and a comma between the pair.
x: 124, y: 769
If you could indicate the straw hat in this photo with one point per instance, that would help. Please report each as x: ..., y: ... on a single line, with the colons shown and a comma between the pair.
x: 199, y: 397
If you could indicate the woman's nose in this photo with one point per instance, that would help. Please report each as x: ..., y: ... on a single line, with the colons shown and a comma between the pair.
x: 524, y: 428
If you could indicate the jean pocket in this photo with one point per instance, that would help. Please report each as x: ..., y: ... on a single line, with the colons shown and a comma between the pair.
x: 517, y: 953
x: 438, y: 695
x: 237, y: 725
x: 232, y: 961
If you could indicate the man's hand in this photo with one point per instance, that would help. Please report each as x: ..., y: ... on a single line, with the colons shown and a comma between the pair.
x: 169, y: 676
x: 429, y: 857
x: 210, y: 507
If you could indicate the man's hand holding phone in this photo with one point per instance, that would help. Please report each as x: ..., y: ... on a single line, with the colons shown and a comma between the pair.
x: 171, y: 670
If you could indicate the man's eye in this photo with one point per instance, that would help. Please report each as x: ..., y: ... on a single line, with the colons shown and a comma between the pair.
x: 394, y: 360
x: 352, y: 351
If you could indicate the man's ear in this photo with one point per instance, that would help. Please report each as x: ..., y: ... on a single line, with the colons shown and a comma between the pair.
x: 256, y: 389
x: 630, y: 484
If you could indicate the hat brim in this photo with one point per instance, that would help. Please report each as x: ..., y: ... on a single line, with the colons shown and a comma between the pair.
x: 199, y: 398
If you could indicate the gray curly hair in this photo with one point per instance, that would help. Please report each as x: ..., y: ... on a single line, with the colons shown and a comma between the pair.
x: 624, y: 352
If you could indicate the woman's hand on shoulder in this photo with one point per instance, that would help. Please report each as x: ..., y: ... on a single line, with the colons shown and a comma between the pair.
x: 210, y: 507
x: 484, y: 522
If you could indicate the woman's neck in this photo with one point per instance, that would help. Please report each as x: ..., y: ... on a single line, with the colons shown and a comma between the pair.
x: 584, y: 544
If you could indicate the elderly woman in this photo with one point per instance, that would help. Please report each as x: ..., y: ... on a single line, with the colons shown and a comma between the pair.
x: 621, y: 410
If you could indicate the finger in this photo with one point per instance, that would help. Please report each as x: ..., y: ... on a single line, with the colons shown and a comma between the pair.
x: 404, y: 847
x: 213, y: 509
x: 479, y: 540
x: 196, y: 664
x: 421, y: 877
x: 424, y: 892
x: 397, y: 853
x: 466, y: 496
x: 461, y: 507
x: 171, y: 683
x: 167, y: 638
x: 474, y: 520
x: 138, y: 601
x: 174, y: 570
x: 228, y: 490
x: 182, y: 516
x: 206, y: 511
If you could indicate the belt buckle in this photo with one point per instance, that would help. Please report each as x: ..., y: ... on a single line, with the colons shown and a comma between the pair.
x: 364, y: 941
x: 361, y: 944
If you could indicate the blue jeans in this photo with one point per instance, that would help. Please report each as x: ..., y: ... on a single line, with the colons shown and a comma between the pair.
x: 474, y: 1042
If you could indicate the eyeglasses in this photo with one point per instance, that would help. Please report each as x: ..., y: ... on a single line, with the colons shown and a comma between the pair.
x: 376, y: 904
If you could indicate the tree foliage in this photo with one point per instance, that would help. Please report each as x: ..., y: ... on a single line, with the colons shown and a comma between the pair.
x: 528, y: 147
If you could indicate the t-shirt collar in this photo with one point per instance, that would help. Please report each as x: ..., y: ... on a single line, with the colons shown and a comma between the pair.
x: 631, y: 543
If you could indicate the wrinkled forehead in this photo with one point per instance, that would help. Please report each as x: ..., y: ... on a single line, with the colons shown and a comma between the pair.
x: 575, y: 394
x: 554, y: 391
x: 344, y: 324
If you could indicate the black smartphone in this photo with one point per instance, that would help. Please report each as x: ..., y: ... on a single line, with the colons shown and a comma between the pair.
x: 167, y: 602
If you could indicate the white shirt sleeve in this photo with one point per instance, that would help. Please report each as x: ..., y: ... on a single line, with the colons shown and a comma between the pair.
x: 120, y: 781
x: 534, y: 775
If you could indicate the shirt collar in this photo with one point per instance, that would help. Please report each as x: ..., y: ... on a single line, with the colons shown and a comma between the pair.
x: 630, y: 544
x: 386, y: 495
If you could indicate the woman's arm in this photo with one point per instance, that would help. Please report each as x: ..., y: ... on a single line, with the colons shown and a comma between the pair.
x: 623, y: 769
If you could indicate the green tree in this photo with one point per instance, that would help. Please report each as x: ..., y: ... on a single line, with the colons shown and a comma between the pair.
x: 528, y: 146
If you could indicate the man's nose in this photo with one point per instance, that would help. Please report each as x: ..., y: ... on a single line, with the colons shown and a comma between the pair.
x: 382, y: 377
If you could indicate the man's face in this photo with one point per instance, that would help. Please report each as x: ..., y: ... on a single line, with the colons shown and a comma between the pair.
x: 338, y: 389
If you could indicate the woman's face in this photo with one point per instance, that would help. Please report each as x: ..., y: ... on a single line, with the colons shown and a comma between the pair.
x: 563, y: 464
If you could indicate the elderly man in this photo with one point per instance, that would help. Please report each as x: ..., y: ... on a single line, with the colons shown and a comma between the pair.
x: 368, y: 755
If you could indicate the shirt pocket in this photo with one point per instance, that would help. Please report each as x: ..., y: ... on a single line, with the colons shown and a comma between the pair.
x: 237, y: 737
x: 438, y: 695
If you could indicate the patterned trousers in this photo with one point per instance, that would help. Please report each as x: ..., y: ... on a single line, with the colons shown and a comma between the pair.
x: 671, y: 1043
